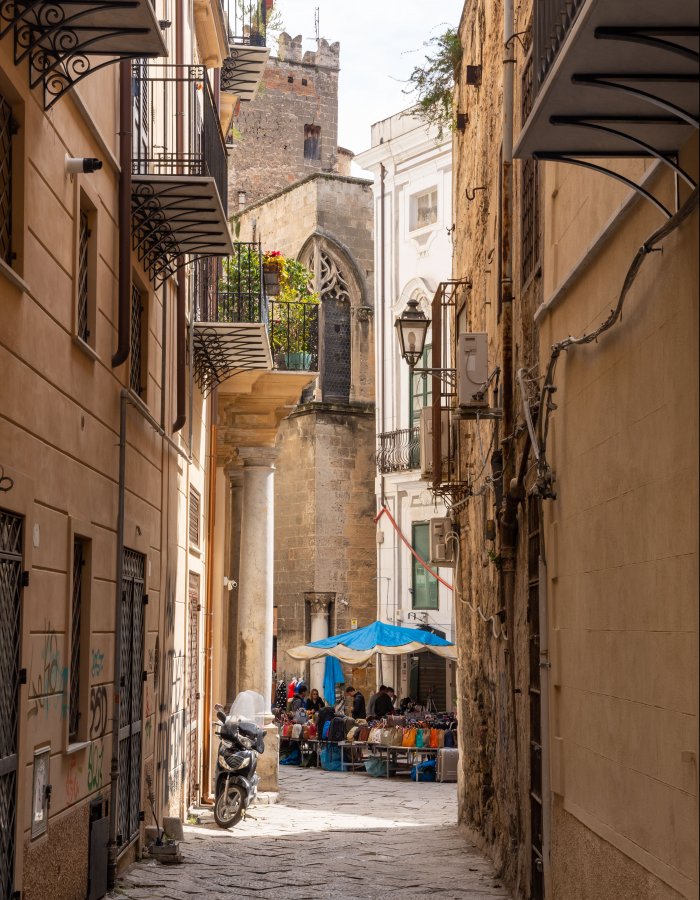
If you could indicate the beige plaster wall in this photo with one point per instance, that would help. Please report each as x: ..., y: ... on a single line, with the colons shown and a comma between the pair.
x: 59, y: 434
x: 622, y: 553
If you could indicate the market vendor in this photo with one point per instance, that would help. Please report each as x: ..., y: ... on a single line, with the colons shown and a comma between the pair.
x: 314, y: 701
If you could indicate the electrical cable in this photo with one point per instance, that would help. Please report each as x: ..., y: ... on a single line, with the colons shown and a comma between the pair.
x: 385, y: 510
x: 547, y: 406
x: 475, y: 608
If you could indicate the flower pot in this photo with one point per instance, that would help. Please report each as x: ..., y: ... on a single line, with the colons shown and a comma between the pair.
x: 299, y: 362
x: 271, y: 279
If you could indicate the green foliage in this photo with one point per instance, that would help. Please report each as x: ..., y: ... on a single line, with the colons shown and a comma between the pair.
x: 433, y: 83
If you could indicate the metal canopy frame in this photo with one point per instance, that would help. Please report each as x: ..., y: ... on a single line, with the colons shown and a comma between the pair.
x: 65, y: 41
x: 222, y: 349
x: 174, y: 217
x: 658, y: 80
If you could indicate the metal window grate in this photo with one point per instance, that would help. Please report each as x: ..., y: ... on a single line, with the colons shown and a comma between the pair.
x: 77, y: 608
x: 135, y: 368
x: 529, y: 196
x: 194, y: 516
x: 131, y: 696
x: 83, y: 244
x: 10, y: 605
x: 6, y: 129
x: 192, y: 745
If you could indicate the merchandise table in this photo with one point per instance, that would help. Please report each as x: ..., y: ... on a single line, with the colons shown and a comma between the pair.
x: 394, y: 752
x: 396, y: 756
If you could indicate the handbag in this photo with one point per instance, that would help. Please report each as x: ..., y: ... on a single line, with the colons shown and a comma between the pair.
x: 313, y: 731
x: 352, y: 734
x: 433, y: 739
x: 305, y: 732
x: 374, y: 736
x: 363, y: 735
x: 397, y: 736
x: 385, y: 737
x: 287, y: 730
x: 409, y: 737
x: 296, y: 731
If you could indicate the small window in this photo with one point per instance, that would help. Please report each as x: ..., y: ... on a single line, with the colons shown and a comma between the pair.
x: 312, y: 141
x: 194, y: 517
x: 304, y: 82
x: 423, y: 209
x: 425, y: 585
x: 138, y: 372
x: 290, y: 79
x: 6, y: 131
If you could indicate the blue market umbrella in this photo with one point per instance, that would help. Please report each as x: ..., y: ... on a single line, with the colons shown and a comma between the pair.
x: 333, y: 675
x: 359, y: 645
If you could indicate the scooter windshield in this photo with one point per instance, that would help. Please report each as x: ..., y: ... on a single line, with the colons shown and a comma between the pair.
x: 249, y: 706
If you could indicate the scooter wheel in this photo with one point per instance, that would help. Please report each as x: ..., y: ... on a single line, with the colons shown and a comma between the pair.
x: 228, y: 808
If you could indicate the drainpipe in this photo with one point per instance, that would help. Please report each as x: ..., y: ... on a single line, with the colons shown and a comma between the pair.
x: 205, y: 787
x: 112, y: 848
x: 382, y: 323
x: 545, y: 666
x: 180, y: 323
x: 124, y: 264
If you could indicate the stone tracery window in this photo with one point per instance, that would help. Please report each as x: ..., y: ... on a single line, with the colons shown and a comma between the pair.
x: 335, y: 347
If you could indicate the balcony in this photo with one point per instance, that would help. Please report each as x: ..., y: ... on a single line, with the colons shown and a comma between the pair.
x: 65, y: 42
x: 611, y: 79
x: 248, y: 54
x: 180, y: 174
x: 399, y: 451
x: 237, y: 328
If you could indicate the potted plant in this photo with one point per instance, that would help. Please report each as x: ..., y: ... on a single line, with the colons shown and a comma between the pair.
x: 273, y: 264
x: 294, y: 318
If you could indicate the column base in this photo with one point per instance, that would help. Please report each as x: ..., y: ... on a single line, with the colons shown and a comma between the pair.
x: 268, y: 763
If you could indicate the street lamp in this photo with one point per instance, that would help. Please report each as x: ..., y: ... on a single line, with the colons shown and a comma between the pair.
x: 412, y: 330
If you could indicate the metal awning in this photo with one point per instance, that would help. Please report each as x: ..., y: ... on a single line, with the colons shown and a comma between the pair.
x: 615, y: 79
x: 223, y: 349
x: 243, y: 69
x: 176, y: 216
x: 67, y: 41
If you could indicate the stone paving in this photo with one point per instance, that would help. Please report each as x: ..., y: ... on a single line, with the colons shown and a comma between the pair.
x: 340, y: 835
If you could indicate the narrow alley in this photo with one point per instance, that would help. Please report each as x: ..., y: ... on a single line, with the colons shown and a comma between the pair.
x: 326, y: 838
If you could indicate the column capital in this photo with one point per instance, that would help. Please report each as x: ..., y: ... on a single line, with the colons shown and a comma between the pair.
x: 319, y: 601
x: 249, y: 457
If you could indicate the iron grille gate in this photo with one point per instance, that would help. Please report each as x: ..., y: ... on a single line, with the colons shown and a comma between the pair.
x: 131, y: 697
x: 10, y: 610
x: 192, y: 689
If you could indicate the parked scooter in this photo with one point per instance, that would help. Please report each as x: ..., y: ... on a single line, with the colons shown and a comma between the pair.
x: 241, y: 741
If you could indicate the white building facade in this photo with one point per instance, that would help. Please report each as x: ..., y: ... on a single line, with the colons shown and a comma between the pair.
x: 412, y: 188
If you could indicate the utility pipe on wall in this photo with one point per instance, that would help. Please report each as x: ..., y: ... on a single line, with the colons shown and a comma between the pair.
x: 124, y: 215
x: 205, y: 787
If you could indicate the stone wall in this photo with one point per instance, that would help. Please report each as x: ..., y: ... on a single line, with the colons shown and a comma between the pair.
x: 296, y: 90
x: 494, y: 672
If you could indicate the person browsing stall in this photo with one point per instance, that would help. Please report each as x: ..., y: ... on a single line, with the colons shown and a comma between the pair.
x: 383, y: 705
x: 314, y: 701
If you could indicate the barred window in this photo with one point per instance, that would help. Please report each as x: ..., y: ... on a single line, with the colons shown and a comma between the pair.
x: 6, y: 130
x: 529, y: 187
x: 194, y: 516
x: 82, y: 326
x: 312, y: 141
x: 138, y: 373
x: 79, y: 626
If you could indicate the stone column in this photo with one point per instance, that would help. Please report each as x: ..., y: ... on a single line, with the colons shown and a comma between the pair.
x: 319, y: 603
x: 235, y: 477
x: 255, y: 594
x: 255, y: 586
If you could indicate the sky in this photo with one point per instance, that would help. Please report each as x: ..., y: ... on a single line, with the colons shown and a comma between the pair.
x: 380, y: 43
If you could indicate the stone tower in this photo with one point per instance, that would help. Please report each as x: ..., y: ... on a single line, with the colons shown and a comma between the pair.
x: 291, y: 131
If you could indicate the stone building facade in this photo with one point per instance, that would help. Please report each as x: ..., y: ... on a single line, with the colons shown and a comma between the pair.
x: 291, y: 131
x: 324, y: 536
x: 578, y: 631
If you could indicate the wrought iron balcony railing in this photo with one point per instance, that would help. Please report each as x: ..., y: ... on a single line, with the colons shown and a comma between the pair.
x: 179, y: 169
x: 399, y: 451
x: 237, y: 328
x: 248, y: 54
x: 247, y: 22
x: 176, y: 128
x: 552, y: 21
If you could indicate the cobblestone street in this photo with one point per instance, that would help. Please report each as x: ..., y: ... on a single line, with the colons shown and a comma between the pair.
x: 330, y: 835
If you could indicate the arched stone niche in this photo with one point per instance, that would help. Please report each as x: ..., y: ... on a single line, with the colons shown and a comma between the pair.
x: 345, y: 341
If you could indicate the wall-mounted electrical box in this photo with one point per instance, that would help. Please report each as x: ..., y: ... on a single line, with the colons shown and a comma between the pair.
x: 426, y: 441
x: 442, y: 542
x: 472, y: 370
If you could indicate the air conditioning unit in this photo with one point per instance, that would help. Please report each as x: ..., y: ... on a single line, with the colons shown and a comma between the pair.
x: 442, y: 543
x: 472, y: 370
x: 426, y: 441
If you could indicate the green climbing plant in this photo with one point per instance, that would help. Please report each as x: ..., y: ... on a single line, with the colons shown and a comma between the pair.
x: 432, y: 84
